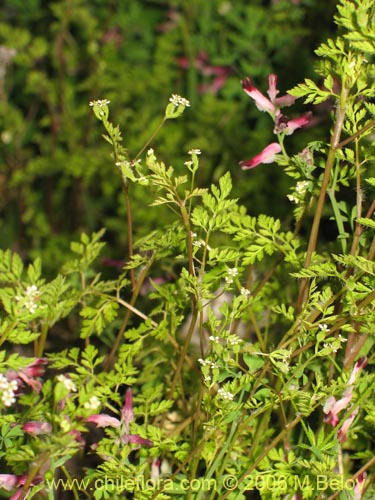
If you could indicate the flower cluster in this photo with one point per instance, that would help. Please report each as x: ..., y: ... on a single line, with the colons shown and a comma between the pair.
x: 8, y: 390
x: 176, y: 106
x: 100, y: 103
x: 282, y: 124
x: 30, y: 299
x: 333, y: 407
x: 300, y: 191
x: 225, y: 394
x: 177, y: 100
x: 232, y: 273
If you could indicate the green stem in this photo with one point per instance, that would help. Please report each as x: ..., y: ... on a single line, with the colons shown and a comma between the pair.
x: 41, y: 341
x: 340, y: 116
x: 339, y: 221
x: 109, y: 361
x: 153, y: 135
x: 358, y: 227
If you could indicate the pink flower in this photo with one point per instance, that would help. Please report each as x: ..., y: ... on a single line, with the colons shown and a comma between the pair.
x: 296, y: 123
x: 343, y: 431
x: 280, y: 102
x: 127, y: 415
x: 268, y: 155
x: 28, y: 374
x: 10, y: 481
x: 36, y: 428
x: 136, y: 439
x: 127, y: 411
x: 103, y: 420
x: 220, y: 73
x: 272, y: 104
x: 358, y: 488
x: 332, y: 407
x: 261, y: 101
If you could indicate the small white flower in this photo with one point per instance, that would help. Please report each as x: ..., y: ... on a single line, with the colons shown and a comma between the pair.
x: 245, y: 292
x: 188, y: 163
x: 6, y: 137
x: 214, y: 338
x: 231, y: 274
x: 292, y: 198
x: 3, y: 382
x: 100, y: 103
x: 324, y: 327
x: 234, y: 340
x: 194, y: 152
x: 13, y: 385
x: 93, y: 403
x: 30, y: 298
x: 67, y: 382
x: 301, y: 187
x: 8, y: 397
x: 225, y: 394
x: 177, y: 100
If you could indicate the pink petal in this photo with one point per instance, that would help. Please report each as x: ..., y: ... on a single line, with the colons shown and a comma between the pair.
x: 285, y: 100
x: 8, y: 481
x: 296, y: 123
x: 135, y: 438
x: 343, y: 432
x: 262, y: 103
x: 36, y: 428
x: 272, y: 90
x: 268, y: 155
x: 127, y: 411
x: 361, y: 363
x: 103, y: 420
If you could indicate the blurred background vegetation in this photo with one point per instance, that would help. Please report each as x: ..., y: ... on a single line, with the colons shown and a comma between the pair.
x: 56, y: 175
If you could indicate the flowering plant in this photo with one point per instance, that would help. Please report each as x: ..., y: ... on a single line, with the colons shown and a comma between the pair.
x: 231, y: 355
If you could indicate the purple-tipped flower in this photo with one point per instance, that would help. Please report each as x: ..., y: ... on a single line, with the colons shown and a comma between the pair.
x: 280, y: 102
x: 272, y: 104
x: 297, y: 123
x: 332, y: 407
x: 103, y: 420
x: 136, y: 439
x: 127, y: 411
x: 359, y: 487
x: 261, y: 101
x: 36, y: 428
x: 29, y: 374
x: 268, y: 155
x: 8, y: 481
x: 343, y: 431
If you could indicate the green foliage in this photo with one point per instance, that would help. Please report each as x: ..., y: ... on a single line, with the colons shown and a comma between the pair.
x: 230, y: 355
x: 56, y: 60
